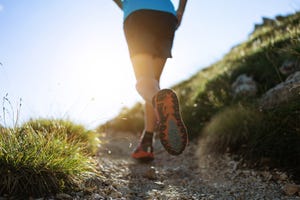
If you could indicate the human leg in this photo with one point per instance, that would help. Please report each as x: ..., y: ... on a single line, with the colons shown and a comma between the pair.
x: 149, y: 117
x: 163, y: 113
x: 147, y: 72
x: 149, y: 35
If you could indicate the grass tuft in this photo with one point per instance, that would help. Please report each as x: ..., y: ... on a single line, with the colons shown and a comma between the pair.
x: 73, y: 132
x: 230, y: 130
x: 36, y: 162
x: 272, y: 136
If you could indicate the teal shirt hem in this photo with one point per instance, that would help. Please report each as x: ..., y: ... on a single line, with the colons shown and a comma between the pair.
x: 130, y: 6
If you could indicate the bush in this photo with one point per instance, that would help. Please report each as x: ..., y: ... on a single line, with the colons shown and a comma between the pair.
x: 278, y: 137
x: 255, y: 136
x: 230, y: 130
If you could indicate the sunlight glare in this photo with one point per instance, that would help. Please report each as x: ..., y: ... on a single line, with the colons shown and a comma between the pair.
x: 99, y: 72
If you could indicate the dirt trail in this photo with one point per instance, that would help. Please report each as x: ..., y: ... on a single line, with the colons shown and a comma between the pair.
x: 182, y: 177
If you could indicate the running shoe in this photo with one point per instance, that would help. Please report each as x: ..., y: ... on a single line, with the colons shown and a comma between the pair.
x: 172, y: 131
x: 144, y: 151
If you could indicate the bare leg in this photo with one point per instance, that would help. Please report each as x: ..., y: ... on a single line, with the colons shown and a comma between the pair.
x: 150, y: 119
x: 146, y: 66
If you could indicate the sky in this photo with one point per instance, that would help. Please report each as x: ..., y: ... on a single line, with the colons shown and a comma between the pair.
x: 68, y: 59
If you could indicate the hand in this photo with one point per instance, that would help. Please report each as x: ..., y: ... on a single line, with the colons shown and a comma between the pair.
x: 179, y: 18
x: 119, y: 3
x: 180, y: 11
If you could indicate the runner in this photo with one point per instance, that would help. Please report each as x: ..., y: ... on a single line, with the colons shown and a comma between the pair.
x: 149, y: 27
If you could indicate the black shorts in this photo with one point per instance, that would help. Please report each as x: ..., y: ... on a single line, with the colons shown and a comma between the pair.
x: 151, y: 32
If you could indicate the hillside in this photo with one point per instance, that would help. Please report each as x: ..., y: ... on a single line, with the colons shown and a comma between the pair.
x: 242, y: 113
x: 247, y: 103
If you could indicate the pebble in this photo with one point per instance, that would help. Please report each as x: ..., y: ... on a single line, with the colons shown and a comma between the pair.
x: 97, y: 196
x: 291, y: 189
x: 63, y: 196
x: 150, y: 174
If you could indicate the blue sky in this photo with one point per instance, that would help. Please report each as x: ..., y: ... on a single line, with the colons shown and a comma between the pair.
x: 68, y: 58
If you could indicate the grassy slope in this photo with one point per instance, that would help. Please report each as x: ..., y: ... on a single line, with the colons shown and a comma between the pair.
x: 211, y: 112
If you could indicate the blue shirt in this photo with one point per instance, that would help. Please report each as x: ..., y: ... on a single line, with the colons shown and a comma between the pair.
x: 129, y: 6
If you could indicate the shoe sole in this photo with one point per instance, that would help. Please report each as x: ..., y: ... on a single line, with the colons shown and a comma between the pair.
x: 172, y: 131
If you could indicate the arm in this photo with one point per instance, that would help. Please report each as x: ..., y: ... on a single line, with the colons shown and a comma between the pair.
x: 180, y: 11
x: 119, y: 3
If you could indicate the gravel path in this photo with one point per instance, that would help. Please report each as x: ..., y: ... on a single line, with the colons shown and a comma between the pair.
x: 184, y: 177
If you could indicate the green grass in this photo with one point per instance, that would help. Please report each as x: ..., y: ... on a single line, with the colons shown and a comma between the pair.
x: 128, y: 120
x: 226, y: 123
x: 257, y: 136
x: 44, y: 159
x: 230, y: 129
x: 73, y: 132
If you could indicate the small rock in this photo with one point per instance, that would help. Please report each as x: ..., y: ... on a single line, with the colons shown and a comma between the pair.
x: 281, y: 93
x: 80, y: 194
x: 244, y: 85
x: 267, y: 175
x: 97, y: 196
x: 291, y: 189
x: 63, y: 196
x: 150, y: 174
x: 283, y: 177
x: 289, y: 67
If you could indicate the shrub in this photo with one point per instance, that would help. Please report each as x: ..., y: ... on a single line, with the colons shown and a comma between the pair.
x: 230, y: 130
x: 272, y: 135
x: 278, y: 137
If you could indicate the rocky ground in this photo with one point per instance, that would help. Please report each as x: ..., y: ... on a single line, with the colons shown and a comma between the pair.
x: 187, y: 176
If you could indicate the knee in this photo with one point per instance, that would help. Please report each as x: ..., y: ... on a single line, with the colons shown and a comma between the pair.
x: 147, y: 88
